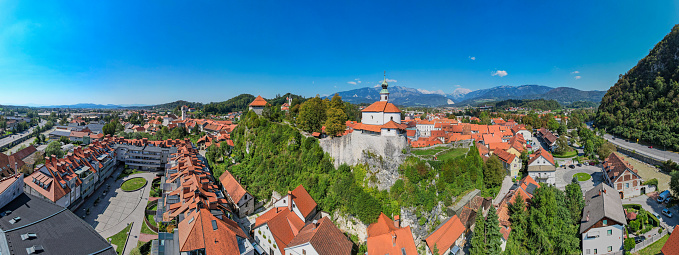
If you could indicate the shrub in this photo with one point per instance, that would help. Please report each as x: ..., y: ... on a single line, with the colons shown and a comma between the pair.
x: 629, y: 244
x: 653, y: 182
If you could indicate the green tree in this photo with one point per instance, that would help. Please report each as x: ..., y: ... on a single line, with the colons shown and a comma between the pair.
x: 562, y: 130
x: 629, y: 244
x: 589, y: 148
x: 336, y: 118
x: 606, y: 149
x: 493, y: 172
x: 493, y: 235
x: 478, y: 242
x: 562, y: 145
x: 312, y: 115
x: 674, y: 182
x: 574, y: 201
x: 552, y: 124
x: 54, y: 148
x: 109, y: 129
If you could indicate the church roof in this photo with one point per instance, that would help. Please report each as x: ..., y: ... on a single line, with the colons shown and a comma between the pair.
x: 259, y: 101
x: 382, y: 106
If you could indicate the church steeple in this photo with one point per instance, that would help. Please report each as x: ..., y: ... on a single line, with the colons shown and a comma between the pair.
x: 384, y: 93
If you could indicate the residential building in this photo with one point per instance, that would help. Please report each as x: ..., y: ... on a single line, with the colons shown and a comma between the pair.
x: 541, y: 167
x: 388, y: 237
x: 258, y: 105
x: 300, y: 203
x: 620, y: 175
x: 33, y: 225
x: 275, y: 229
x: 548, y: 138
x: 448, y: 238
x: 319, y: 237
x: 511, y: 162
x: 521, y: 129
x: 602, y: 227
x: 242, y: 201
x: 203, y: 233
x: 672, y: 244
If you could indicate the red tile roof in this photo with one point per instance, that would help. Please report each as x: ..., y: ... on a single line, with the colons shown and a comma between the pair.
x: 445, y: 236
x: 259, y: 101
x: 505, y: 156
x: 283, y: 224
x: 385, y: 238
x: 231, y: 186
x: 325, y: 237
x: 200, y: 233
x: 382, y: 106
x: 544, y: 153
x: 672, y: 244
x: 303, y: 200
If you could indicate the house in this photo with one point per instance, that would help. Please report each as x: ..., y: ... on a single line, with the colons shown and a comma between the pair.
x: 672, y: 244
x: 448, y: 238
x: 511, y: 162
x: 548, y: 138
x: 620, y: 175
x: 258, y: 105
x: 242, y: 201
x: 300, y: 203
x: 381, y: 118
x: 388, y: 237
x: 602, y: 227
x: 541, y: 167
x: 276, y: 228
x: 521, y: 129
x: 203, y: 233
x: 319, y: 237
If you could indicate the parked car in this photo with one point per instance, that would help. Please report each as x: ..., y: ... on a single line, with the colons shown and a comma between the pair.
x: 667, y: 212
x: 657, y: 216
x: 650, y: 147
x: 639, y: 239
x: 663, y: 195
x: 579, y: 165
x: 591, y: 163
x: 571, y: 166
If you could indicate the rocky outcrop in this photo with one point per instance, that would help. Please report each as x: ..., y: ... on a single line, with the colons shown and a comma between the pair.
x: 351, y: 225
x: 382, y: 154
x: 431, y: 221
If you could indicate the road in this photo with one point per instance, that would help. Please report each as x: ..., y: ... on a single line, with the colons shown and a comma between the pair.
x: 658, y: 153
x: 10, y: 139
x: 27, y: 142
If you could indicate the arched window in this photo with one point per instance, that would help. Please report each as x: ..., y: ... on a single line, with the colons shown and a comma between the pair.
x: 392, y: 117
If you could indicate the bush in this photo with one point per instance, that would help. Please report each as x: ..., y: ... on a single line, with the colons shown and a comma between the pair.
x: 629, y: 244
x: 653, y: 182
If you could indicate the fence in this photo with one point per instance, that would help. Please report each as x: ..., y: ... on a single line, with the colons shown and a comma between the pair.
x: 649, y: 241
x: 150, y: 212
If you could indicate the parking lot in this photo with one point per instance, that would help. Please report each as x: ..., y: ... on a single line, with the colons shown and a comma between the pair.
x: 564, y: 176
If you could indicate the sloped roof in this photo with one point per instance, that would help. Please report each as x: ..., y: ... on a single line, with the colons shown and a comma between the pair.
x: 601, y: 201
x: 445, y: 235
x: 231, y: 186
x: 259, y: 101
x: 385, y: 238
x: 283, y: 224
x: 382, y: 106
x: 324, y: 236
x: 200, y: 233
x: 551, y: 138
x: 303, y: 200
x: 615, y: 165
x: 544, y: 153
x: 672, y: 244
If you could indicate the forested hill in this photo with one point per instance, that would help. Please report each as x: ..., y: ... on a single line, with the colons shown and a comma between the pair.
x: 238, y: 103
x: 644, y: 103
x: 171, y: 106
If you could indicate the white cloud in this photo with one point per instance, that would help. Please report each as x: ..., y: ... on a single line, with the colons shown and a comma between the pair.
x: 574, y: 72
x: 578, y: 77
x: 501, y: 73
x: 458, y: 86
x: 359, y: 81
x: 472, y: 58
x: 352, y: 82
x: 390, y: 80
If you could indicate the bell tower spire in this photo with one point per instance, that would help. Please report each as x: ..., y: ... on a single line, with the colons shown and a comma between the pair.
x: 384, y: 93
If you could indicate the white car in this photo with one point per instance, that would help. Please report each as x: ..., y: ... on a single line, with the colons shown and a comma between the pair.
x: 667, y: 212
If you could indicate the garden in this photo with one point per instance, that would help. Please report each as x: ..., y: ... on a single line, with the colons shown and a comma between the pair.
x: 133, y: 184
x: 643, y: 222
x: 582, y: 176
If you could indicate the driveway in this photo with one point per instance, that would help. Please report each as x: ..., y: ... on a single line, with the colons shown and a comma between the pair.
x: 118, y: 208
x: 506, y: 185
x: 565, y: 176
x: 649, y: 204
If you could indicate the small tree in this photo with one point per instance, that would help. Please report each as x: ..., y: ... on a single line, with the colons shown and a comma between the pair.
x: 674, y: 182
x: 493, y: 172
x: 493, y: 235
x: 629, y: 244
x: 478, y: 242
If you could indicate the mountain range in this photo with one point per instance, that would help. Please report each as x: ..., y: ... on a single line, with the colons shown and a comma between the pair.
x: 417, y: 97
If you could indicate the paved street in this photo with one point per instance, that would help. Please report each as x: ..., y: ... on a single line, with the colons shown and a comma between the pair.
x: 27, y: 142
x: 118, y: 208
x: 504, y: 189
x: 564, y: 177
x: 12, y: 138
x: 656, y: 152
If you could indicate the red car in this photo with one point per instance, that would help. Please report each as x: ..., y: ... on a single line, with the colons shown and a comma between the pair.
x: 650, y: 147
x: 591, y: 163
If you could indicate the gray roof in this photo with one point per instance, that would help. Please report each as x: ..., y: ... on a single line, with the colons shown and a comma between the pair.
x: 58, y: 230
x: 60, y: 132
x: 602, y: 201
x: 542, y: 168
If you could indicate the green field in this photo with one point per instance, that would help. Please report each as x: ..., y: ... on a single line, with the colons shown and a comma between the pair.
x: 428, y: 152
x: 582, y: 176
x: 133, y: 184
x: 569, y: 154
x: 146, y: 230
x: 451, y: 154
x: 119, y: 239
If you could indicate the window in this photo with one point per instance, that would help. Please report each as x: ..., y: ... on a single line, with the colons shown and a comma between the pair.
x: 588, y: 251
x: 627, y: 185
x: 610, y: 232
x: 303, y: 251
x: 595, y: 251
x: 610, y: 248
x: 605, y: 222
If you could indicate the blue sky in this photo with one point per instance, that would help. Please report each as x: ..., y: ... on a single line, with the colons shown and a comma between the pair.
x: 148, y: 52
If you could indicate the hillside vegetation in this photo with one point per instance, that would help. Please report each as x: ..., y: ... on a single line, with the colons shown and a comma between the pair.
x: 644, y: 103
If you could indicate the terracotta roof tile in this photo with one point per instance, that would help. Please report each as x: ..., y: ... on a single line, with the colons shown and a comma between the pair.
x: 445, y: 236
x: 324, y: 236
x: 259, y: 101
x: 382, y: 106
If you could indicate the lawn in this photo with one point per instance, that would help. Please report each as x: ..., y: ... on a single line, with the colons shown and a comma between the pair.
x: 582, y: 176
x: 146, y: 230
x: 428, y: 152
x: 654, y: 248
x: 119, y: 239
x: 568, y: 154
x: 133, y: 184
x: 648, y: 172
x: 452, y: 153
x: 152, y: 221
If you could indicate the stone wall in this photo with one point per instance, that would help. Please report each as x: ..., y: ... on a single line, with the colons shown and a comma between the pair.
x: 382, y: 154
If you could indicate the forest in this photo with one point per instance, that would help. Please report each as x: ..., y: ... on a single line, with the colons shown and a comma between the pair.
x: 535, y: 104
x: 644, y: 102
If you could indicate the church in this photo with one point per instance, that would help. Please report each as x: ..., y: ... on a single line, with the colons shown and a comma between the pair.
x: 381, y: 118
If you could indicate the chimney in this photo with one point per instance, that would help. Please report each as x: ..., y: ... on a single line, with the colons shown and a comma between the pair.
x: 397, y: 221
x: 393, y: 239
x: 587, y: 218
x: 290, y: 200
